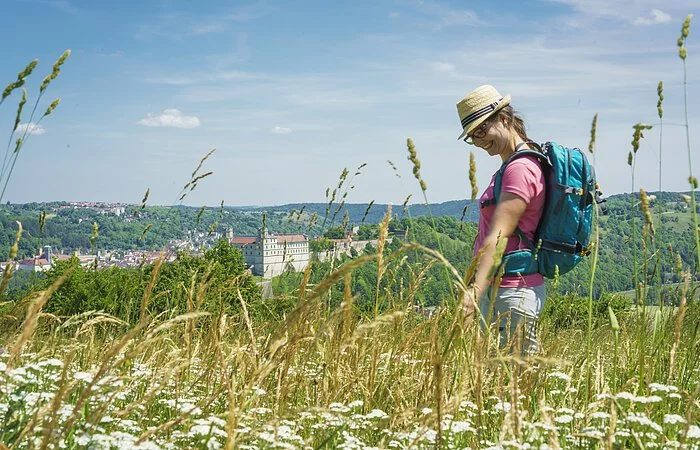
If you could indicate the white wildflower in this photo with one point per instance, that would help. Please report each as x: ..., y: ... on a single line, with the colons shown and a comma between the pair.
x: 600, y: 415
x: 461, y: 426
x: 592, y: 433
x: 356, y: 404
x: 560, y: 375
x: 625, y: 396
x: 53, y: 362
x: 564, y: 419
x: 467, y: 404
x: 338, y: 407
x: 693, y: 432
x: 377, y: 414
x: 83, y: 376
x: 259, y: 391
x: 426, y: 411
x: 643, y: 420
x: 673, y: 419
x: 502, y: 406
x: 650, y: 399
x: 657, y: 387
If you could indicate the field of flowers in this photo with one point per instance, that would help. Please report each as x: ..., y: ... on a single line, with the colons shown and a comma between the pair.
x: 324, y: 379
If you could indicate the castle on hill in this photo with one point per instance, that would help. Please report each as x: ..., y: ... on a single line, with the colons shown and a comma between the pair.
x: 269, y: 254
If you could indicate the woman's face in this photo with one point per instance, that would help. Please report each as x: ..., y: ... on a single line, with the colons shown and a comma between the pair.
x: 492, y: 136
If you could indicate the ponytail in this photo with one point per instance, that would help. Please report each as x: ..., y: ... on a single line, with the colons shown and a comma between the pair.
x: 514, y: 120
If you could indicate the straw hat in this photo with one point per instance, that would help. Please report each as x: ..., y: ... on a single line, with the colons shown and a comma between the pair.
x: 479, y: 105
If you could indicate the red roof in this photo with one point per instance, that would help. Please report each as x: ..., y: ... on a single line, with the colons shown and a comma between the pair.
x: 243, y: 240
x: 291, y: 238
x: 35, y: 262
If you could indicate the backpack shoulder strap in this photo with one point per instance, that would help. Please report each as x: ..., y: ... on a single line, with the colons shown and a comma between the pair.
x: 540, y: 156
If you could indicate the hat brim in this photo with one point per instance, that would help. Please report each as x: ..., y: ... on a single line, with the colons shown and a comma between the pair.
x: 505, y: 101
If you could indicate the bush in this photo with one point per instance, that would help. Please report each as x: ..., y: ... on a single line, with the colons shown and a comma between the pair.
x: 571, y: 310
x: 186, y: 284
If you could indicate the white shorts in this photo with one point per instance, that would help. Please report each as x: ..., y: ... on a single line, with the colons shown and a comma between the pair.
x: 513, y: 306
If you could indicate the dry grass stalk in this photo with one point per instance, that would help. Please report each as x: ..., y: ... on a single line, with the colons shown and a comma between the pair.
x: 9, y: 268
x: 148, y: 292
x: 31, y: 320
x: 677, y: 331
x: 248, y: 324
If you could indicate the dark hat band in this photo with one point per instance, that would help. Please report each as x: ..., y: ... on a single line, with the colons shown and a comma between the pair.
x: 480, y: 113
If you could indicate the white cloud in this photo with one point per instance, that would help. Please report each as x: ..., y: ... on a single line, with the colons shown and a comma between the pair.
x: 281, y: 130
x: 657, y: 16
x: 170, y: 118
x: 30, y: 128
x: 443, y: 67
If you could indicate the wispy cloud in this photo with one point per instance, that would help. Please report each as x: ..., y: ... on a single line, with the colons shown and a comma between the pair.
x: 445, y: 16
x: 30, y: 128
x: 175, y: 25
x: 630, y: 11
x: 656, y: 16
x: 173, y: 118
x: 207, y: 78
x: 281, y: 130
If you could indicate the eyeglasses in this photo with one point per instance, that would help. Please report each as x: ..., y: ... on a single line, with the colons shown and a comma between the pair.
x: 479, y: 133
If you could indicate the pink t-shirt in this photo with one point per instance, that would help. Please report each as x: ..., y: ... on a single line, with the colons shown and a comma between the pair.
x: 523, y: 177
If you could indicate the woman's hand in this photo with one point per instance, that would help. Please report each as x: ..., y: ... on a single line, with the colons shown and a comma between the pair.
x: 470, y: 302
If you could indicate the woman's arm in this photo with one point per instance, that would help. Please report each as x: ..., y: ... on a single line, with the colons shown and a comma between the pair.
x: 509, y: 209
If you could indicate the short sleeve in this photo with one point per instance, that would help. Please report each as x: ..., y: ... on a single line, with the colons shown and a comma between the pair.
x: 523, y: 177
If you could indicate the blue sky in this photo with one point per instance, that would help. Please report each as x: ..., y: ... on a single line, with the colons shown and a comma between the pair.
x: 290, y: 93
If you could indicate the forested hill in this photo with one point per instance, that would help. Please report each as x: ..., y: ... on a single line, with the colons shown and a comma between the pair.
x: 66, y: 228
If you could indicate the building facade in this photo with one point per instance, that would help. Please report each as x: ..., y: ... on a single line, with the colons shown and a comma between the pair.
x: 268, y: 254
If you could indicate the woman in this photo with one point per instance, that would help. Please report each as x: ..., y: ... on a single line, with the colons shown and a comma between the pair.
x: 489, y: 122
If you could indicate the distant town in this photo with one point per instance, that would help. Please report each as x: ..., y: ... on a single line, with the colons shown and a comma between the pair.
x: 266, y: 253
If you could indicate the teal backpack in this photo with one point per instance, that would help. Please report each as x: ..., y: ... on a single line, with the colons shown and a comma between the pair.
x: 564, y: 231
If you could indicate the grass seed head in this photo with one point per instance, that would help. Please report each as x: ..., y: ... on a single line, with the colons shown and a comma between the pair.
x: 405, y: 202
x: 18, y: 145
x: 52, y: 106
x: 20, y: 107
x: 55, y: 72
x: 95, y: 233
x: 645, y: 210
x: 594, y: 126
x: 15, y: 246
x: 693, y: 182
x: 638, y: 135
x: 679, y: 263
x: 42, y: 221
x: 20, y: 79
x: 629, y: 159
x: 659, y: 103
x: 613, y: 320
x: 472, y: 175
x: 685, y: 30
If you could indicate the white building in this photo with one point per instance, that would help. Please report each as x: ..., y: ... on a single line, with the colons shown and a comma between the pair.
x: 270, y: 254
